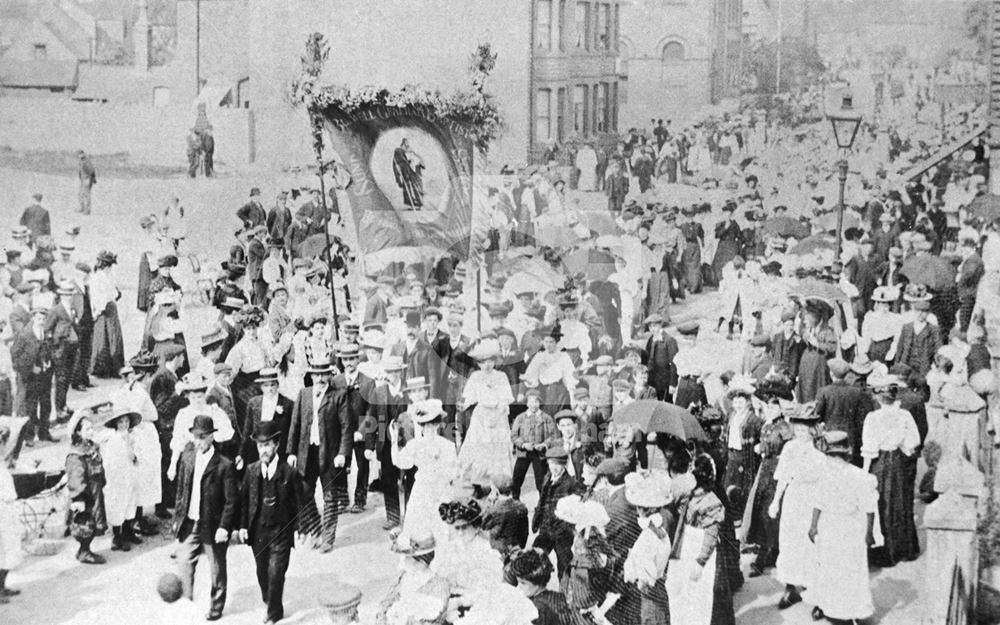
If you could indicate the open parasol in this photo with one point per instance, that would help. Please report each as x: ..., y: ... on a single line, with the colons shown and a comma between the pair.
x: 985, y: 207
x: 828, y: 222
x: 595, y: 264
x: 813, y: 243
x: 784, y: 226
x: 811, y: 288
x: 650, y: 415
x: 934, y: 272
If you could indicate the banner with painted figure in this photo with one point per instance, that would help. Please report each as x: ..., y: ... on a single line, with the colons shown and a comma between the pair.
x: 411, y: 179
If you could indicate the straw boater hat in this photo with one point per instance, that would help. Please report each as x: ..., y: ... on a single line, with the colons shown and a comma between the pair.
x: 268, y: 374
x: 881, y: 381
x: 320, y: 367
x: 485, y: 350
x: 373, y: 339
x: 66, y: 288
x: 916, y: 293
x: 416, y: 383
x: 192, y: 382
x: 348, y: 350
x: 648, y: 489
x: 837, y: 443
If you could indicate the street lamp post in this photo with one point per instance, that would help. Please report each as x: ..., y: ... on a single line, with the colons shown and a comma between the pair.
x: 846, y: 121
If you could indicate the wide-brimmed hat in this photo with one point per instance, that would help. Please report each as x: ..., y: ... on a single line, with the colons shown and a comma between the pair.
x: 348, y: 350
x: 485, y: 350
x: 862, y: 364
x: 461, y: 511
x: 837, y: 443
x: 217, y: 335
x: 427, y: 411
x: 413, y: 546
x: 878, y: 381
x: 612, y: 467
x: 392, y: 363
x: 886, y: 294
x: 266, y: 375
x: 648, y: 489
x: 167, y: 261
x: 203, y: 424
x: 232, y: 303
x: 144, y: 360
x: 373, y: 339
x: 266, y: 431
x: 838, y: 367
x: 804, y: 414
x: 20, y: 232
x: 134, y: 418
x: 741, y: 385
x: 193, y: 381
x: 916, y: 293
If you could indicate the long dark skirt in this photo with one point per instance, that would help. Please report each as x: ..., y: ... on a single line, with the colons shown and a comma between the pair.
x: 654, y: 608
x: 761, y: 531
x: 244, y: 389
x: 895, y: 508
x: 722, y: 599
x: 813, y: 375
x: 878, y: 350
x: 555, y: 397
x: 108, y: 352
x: 691, y: 261
x: 658, y: 294
x: 690, y: 391
x: 741, y: 469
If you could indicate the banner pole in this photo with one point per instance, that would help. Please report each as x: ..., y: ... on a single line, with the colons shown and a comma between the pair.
x: 479, y: 300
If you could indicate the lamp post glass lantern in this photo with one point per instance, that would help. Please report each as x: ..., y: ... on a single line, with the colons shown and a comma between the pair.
x: 846, y: 123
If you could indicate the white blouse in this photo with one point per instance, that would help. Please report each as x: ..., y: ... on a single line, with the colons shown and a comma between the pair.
x: 889, y: 428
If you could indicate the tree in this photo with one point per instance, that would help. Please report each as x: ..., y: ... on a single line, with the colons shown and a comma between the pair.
x: 801, y: 65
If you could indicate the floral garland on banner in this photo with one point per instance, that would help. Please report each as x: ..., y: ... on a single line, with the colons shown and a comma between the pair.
x: 473, y: 112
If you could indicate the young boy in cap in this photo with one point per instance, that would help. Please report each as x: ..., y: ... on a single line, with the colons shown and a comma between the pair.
x: 531, y: 433
x: 554, y: 534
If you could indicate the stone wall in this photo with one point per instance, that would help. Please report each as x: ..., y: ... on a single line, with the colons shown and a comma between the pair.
x: 150, y: 135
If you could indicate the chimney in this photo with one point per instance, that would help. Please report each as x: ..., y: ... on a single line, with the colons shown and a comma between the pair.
x: 141, y: 37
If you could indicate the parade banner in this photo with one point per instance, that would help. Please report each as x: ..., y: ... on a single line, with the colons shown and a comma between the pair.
x: 411, y: 177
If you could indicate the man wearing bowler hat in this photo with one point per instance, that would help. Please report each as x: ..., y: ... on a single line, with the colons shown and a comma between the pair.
x: 319, y: 444
x: 268, y: 518
x: 206, y: 512
x: 252, y: 213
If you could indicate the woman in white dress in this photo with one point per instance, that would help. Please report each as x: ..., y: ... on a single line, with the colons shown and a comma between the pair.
x: 434, y: 457
x: 486, y: 450
x: 134, y: 395
x: 800, y: 468
x: 121, y: 469
x: 586, y: 162
x: 843, y: 529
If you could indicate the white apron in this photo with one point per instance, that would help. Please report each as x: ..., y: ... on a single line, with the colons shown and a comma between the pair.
x: 122, y: 488
x: 691, y: 602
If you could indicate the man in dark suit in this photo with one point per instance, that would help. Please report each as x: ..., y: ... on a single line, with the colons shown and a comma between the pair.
x: 36, y: 219
x: 660, y: 351
x: 622, y: 532
x: 279, y: 218
x: 439, y: 354
x: 252, y: 213
x: 269, y: 406
x: 268, y: 515
x: 616, y: 187
x: 61, y: 328
x: 969, y: 274
x: 572, y: 442
x: 319, y: 444
x: 256, y: 253
x: 885, y: 238
x: 387, y: 404
x: 378, y: 302
x: 206, y: 512
x: 359, y: 390
x: 163, y: 392
x: 554, y: 534
x: 220, y: 395
x: 415, y: 351
x: 31, y: 356
x: 311, y: 213
x: 786, y: 346
x: 843, y: 406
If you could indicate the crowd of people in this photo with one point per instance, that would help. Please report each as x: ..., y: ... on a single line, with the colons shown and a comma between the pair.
x: 818, y: 374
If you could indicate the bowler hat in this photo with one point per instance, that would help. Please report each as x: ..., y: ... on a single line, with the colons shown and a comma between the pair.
x: 203, y: 424
x: 266, y: 431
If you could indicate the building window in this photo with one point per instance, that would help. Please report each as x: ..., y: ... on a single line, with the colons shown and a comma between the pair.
x: 543, y: 115
x: 617, y: 31
x: 602, y: 116
x: 673, y: 52
x: 560, y: 113
x: 560, y: 37
x: 583, y: 25
x: 543, y: 21
x: 41, y: 51
x: 604, y: 27
x: 580, y: 126
x: 614, y: 107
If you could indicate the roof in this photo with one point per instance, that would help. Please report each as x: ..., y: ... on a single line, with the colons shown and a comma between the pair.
x: 108, y: 9
x: 113, y: 83
x: 38, y: 74
x: 69, y: 32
